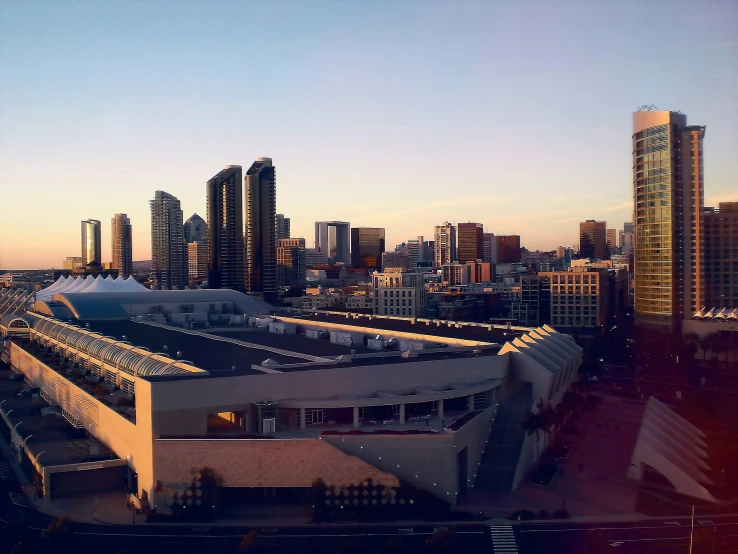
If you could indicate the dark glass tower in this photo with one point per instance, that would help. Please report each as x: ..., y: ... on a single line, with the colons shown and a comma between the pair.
x: 260, y: 186
x: 225, y: 229
x: 367, y: 246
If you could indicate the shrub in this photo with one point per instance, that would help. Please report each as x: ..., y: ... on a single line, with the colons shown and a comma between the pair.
x: 101, y: 390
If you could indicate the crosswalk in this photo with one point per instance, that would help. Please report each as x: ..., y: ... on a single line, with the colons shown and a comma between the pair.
x: 503, y: 539
x: 6, y: 473
x: 19, y: 499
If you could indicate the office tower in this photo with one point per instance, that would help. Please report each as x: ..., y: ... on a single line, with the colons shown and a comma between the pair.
x: 445, y: 244
x: 291, y: 262
x: 489, y: 248
x: 412, y: 252
x: 122, y: 246
x: 332, y: 241
x: 367, y: 246
x: 71, y: 262
x: 91, y: 242
x: 195, y: 229
x: 612, y: 244
x: 167, y: 242
x: 508, y: 249
x: 399, y: 294
x: 197, y: 260
x: 593, y: 239
x: 283, y: 227
x: 668, y: 206
x: 261, y: 228
x: 470, y: 242
x: 225, y: 229
x: 626, y: 238
x: 313, y: 257
x: 721, y: 257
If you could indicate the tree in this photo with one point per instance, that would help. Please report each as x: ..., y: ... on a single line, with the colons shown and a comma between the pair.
x: 535, y: 423
x: 59, y: 536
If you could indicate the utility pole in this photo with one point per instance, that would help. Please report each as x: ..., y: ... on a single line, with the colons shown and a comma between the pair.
x: 691, y: 533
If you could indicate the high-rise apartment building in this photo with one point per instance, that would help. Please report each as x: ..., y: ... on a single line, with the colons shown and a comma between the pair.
x: 283, y: 227
x: 197, y: 260
x: 612, y: 243
x: 71, y: 262
x: 261, y: 228
x: 626, y: 238
x: 291, y: 262
x: 455, y: 274
x: 332, y: 240
x: 489, y: 248
x: 445, y: 244
x: 399, y: 294
x: 593, y: 240
x: 508, y: 249
x: 721, y: 257
x: 225, y: 229
x: 668, y: 188
x: 367, y: 247
x: 195, y: 229
x: 91, y: 244
x: 470, y: 245
x: 167, y: 242
x: 122, y: 245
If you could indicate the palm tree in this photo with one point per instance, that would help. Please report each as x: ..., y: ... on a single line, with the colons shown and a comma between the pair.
x: 692, y: 341
x: 535, y: 423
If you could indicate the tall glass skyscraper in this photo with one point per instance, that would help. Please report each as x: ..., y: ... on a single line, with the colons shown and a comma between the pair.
x: 168, y: 269
x: 225, y: 229
x: 668, y: 189
x: 91, y: 242
x: 122, y: 245
x: 260, y: 186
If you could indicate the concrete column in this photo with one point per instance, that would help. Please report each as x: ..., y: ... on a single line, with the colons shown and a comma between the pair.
x: 356, y: 416
x: 471, y: 402
x: 402, y: 413
x: 440, y: 409
x: 302, y: 418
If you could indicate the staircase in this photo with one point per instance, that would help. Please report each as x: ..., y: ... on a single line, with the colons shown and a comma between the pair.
x: 497, y: 470
x: 503, y: 539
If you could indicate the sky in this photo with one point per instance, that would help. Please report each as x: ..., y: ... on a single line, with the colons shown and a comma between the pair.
x: 399, y: 114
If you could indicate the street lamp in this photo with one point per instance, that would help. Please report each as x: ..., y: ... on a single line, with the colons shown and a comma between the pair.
x: 25, y: 441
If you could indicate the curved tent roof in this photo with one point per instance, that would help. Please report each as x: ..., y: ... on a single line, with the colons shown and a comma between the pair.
x: 102, y: 285
x: 70, y: 284
x: 78, y: 284
x: 56, y: 284
x: 134, y: 286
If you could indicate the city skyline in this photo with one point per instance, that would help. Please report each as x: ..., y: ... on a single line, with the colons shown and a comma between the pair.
x: 401, y: 93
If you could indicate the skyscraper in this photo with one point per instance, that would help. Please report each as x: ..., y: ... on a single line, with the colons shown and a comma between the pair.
x: 593, y: 239
x: 332, y: 241
x: 122, y: 246
x: 283, y: 227
x: 225, y: 229
x: 260, y: 185
x: 367, y: 246
x: 471, y: 242
x: 197, y: 260
x: 195, y: 229
x: 508, y: 249
x: 445, y: 244
x: 91, y: 242
x: 721, y: 257
x: 167, y: 242
x: 668, y: 186
x: 626, y: 238
x: 489, y: 248
x: 612, y: 242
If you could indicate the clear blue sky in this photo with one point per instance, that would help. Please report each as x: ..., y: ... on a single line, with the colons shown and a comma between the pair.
x: 400, y: 114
